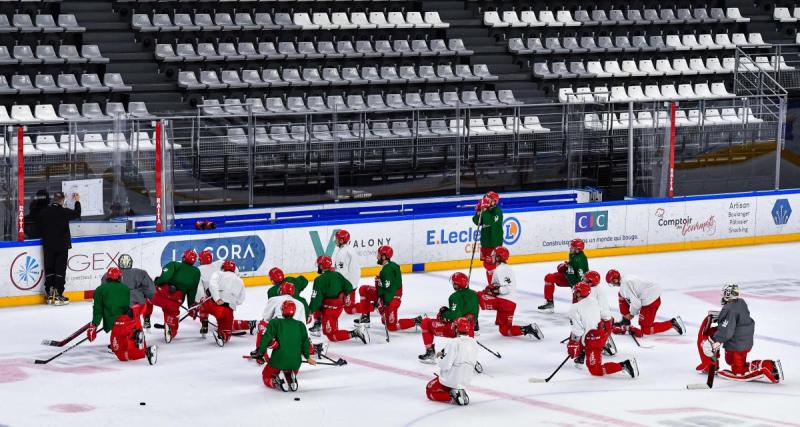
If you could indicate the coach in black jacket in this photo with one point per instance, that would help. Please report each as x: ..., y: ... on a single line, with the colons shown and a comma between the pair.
x: 56, y: 241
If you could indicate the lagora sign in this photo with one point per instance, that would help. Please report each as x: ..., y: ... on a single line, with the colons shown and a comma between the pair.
x: 246, y: 251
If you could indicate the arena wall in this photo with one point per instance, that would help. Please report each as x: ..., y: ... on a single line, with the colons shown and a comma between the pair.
x: 428, y: 242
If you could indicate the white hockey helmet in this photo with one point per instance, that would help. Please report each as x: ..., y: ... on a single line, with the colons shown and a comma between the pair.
x: 730, y: 292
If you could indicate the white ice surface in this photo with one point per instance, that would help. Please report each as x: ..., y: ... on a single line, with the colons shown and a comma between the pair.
x: 198, y: 384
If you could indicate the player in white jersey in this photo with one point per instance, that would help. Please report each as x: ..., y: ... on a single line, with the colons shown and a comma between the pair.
x: 207, y: 268
x: 601, y: 293
x: 504, y: 284
x: 457, y: 366
x: 226, y: 292
x: 587, y: 339
x: 345, y: 262
x: 643, y: 298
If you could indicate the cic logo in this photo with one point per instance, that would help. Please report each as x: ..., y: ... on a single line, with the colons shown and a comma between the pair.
x: 591, y: 221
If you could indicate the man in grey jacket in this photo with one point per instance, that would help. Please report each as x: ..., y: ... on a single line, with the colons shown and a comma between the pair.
x: 139, y: 282
x: 734, y: 331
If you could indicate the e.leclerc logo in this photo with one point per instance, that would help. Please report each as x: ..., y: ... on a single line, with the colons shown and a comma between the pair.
x: 26, y: 272
x: 591, y: 221
x: 246, y: 251
x: 512, y: 231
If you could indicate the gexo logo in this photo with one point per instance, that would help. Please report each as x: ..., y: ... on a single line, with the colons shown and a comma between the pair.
x: 247, y: 252
x: 26, y: 272
x: 781, y: 212
x: 512, y: 230
x: 591, y: 221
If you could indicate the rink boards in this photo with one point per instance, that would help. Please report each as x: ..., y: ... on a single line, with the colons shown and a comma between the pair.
x: 428, y: 242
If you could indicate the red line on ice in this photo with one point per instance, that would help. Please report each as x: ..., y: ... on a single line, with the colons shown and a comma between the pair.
x: 497, y: 393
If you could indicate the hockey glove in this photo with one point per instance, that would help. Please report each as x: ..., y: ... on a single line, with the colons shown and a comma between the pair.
x: 258, y: 357
x: 623, y: 322
x: 172, y: 289
x: 193, y: 312
x: 91, y: 333
x: 573, y: 348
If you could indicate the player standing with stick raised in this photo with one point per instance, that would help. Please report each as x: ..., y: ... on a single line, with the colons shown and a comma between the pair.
x: 489, y: 219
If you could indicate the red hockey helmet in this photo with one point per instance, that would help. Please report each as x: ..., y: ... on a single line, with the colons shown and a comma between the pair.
x: 287, y: 288
x: 612, y: 275
x: 206, y: 257
x: 276, y: 275
x: 491, y: 195
x: 592, y: 278
x: 343, y: 235
x: 288, y: 308
x: 386, y: 251
x: 114, y: 274
x: 211, y: 225
x: 189, y: 257
x: 577, y: 244
x: 324, y: 262
x: 484, y: 203
x: 502, y: 253
x: 581, y: 290
x: 459, y: 280
x: 229, y: 265
x: 462, y: 325
x: 199, y: 224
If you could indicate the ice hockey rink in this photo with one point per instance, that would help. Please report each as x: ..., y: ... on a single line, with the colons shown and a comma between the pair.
x: 196, y: 383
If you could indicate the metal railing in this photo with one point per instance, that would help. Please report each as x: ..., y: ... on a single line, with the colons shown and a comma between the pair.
x: 240, y: 160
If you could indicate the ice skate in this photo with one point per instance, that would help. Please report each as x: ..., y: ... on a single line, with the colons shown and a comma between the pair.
x: 610, y: 348
x: 533, y: 330
x: 152, y: 354
x: 203, y: 327
x: 291, y: 379
x: 219, y: 339
x: 363, y: 320
x: 631, y: 367
x: 459, y: 396
x: 547, y: 307
x: 251, y: 325
x: 677, y: 324
x: 429, y: 355
x: 360, y: 332
x: 315, y: 330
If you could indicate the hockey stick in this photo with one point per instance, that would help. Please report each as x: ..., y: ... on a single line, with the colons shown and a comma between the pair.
x: 564, y: 340
x: 636, y: 340
x: 475, y: 246
x: 712, y: 372
x: 340, y: 362
x: 547, y: 380
x: 66, y: 340
x: 385, y: 324
x: 494, y: 353
x: 42, y: 362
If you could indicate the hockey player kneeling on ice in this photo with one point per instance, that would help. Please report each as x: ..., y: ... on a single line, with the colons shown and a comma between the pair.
x: 456, y: 366
x: 587, y: 339
x: 504, y: 283
x: 288, y: 339
x: 177, y: 280
x: 137, y: 280
x: 637, y: 296
x: 273, y: 311
x: 226, y: 290
x: 345, y: 261
x: 207, y: 269
x: 387, y: 295
x: 568, y: 273
x: 462, y: 303
x: 600, y: 293
x: 112, y: 308
x: 277, y: 278
x: 733, y: 329
x: 327, y: 302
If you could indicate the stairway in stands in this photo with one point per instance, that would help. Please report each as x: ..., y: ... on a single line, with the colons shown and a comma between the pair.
x: 466, y: 24
x: 112, y: 33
